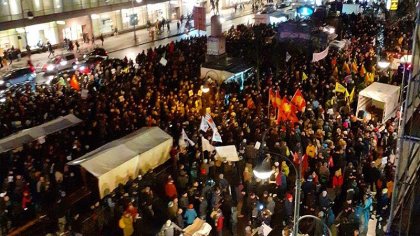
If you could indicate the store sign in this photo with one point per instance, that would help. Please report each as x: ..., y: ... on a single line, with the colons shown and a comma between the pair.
x: 134, y: 20
x: 199, y: 14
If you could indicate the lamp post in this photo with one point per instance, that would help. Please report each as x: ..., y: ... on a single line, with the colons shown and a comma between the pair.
x: 30, y: 17
x: 263, y: 172
x: 135, y: 22
x: 310, y: 217
x: 384, y: 65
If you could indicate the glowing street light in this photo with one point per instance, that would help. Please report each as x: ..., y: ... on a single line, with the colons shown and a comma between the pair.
x: 264, y: 170
x: 205, y: 89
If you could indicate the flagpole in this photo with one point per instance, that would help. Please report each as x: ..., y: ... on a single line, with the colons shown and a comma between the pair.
x: 268, y: 109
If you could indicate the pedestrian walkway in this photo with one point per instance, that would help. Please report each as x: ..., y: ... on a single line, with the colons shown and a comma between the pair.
x: 124, y: 41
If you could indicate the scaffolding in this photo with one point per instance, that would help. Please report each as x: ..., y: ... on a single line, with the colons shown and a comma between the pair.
x: 408, y: 150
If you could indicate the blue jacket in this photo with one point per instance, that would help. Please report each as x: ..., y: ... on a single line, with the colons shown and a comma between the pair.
x: 190, y: 216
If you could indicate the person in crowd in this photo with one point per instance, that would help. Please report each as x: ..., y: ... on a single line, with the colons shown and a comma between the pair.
x: 142, y: 92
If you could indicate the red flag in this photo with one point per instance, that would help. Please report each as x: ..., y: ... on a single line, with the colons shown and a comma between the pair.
x: 74, y: 83
x: 250, y: 103
x: 278, y: 99
x: 285, y: 108
x: 293, y: 118
x: 298, y: 100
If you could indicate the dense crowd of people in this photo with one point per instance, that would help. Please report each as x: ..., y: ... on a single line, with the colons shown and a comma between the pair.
x: 345, y: 180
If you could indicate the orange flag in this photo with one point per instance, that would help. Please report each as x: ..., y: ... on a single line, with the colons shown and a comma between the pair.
x: 298, y: 100
x: 278, y: 99
x: 346, y: 68
x: 335, y: 72
x: 74, y: 83
x: 250, y: 103
x: 362, y: 71
x: 285, y: 109
x: 354, y: 67
x: 293, y: 118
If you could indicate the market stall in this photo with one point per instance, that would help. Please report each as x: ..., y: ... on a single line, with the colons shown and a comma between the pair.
x: 378, y: 102
x: 118, y: 161
x: 37, y: 132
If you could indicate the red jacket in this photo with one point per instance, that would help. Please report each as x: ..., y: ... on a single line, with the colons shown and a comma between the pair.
x: 219, y: 225
x: 170, y: 190
x: 337, y: 181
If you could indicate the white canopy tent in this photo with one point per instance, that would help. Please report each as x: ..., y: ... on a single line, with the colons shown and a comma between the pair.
x: 381, y: 96
x: 117, y: 161
x: 28, y: 135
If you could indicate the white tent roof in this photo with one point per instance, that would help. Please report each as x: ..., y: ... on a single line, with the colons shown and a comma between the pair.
x: 118, y: 152
x: 379, y: 91
x: 28, y: 135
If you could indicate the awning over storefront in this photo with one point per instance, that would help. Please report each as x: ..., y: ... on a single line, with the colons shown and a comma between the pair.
x: 117, y: 161
x: 28, y: 135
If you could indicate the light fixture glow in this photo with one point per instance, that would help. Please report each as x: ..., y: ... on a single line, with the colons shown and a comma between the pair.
x: 262, y: 175
x: 264, y: 170
x: 205, y: 89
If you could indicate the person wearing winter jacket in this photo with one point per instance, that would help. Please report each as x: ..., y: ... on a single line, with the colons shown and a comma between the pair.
x: 190, y: 215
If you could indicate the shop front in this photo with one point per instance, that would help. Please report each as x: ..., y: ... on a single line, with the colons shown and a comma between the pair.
x: 158, y: 11
x: 31, y: 35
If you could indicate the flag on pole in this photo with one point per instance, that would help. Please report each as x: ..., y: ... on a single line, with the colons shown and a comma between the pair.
x: 340, y: 88
x: 216, y: 136
x: 74, y: 83
x: 272, y: 97
x: 362, y: 71
x: 299, y: 101
x: 288, y: 56
x: 346, y: 68
x: 206, y: 146
x: 346, y: 95
x: 351, y: 95
x: 185, y: 137
x: 285, y: 108
x: 304, y: 76
x: 354, y: 67
x: 210, y: 121
x: 204, y: 126
x: 250, y: 103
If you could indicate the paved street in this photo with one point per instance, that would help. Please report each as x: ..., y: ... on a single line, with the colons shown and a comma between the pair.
x: 124, y: 44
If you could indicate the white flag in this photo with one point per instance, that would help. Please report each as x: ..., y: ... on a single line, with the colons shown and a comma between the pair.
x: 206, y: 145
x: 216, y: 136
x: 204, y: 126
x: 288, y: 56
x: 185, y: 137
x: 210, y: 122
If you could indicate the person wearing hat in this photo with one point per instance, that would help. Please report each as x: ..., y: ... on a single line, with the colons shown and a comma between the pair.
x: 289, y: 205
x: 170, y: 229
x: 190, y: 215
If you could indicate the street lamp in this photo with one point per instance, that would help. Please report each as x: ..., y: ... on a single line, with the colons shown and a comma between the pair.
x: 205, y: 89
x: 298, y: 170
x: 314, y: 218
x: 264, y: 170
x: 136, y: 20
